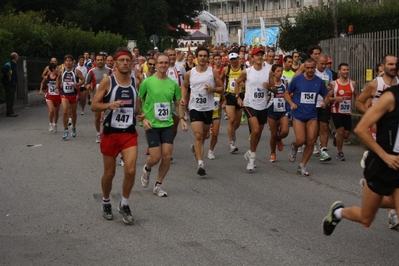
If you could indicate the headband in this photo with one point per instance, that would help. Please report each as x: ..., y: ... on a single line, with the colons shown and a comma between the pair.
x: 119, y: 54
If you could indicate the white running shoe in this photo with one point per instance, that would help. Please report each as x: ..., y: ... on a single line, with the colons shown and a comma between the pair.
x: 393, y: 219
x: 211, y: 155
x: 55, y: 128
x: 121, y: 162
x: 251, y: 161
x: 98, y: 138
x: 145, y: 177
x: 159, y: 192
x: 51, y: 128
x: 233, y: 148
x: 316, y: 150
x: 82, y: 113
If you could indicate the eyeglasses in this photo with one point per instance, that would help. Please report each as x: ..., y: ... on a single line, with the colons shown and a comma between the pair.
x: 276, y: 59
x: 150, y: 54
x: 163, y: 63
x: 150, y: 64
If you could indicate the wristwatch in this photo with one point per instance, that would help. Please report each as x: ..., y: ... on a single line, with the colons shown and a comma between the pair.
x: 237, y: 96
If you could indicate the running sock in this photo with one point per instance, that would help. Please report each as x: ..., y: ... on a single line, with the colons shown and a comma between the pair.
x: 157, y: 184
x: 337, y: 213
x: 200, y: 162
x: 231, y: 143
x: 324, y: 149
x: 302, y: 165
x: 148, y: 170
x: 124, y: 201
x: 252, y: 154
x: 106, y: 201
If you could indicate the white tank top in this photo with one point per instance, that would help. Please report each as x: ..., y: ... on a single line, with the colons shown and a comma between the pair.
x: 200, y: 99
x: 381, y: 87
x: 326, y: 78
x: 255, y: 93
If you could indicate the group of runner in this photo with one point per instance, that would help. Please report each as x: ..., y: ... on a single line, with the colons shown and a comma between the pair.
x: 160, y: 92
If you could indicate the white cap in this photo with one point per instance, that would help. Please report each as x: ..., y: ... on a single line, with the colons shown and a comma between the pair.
x: 155, y: 48
x: 233, y: 56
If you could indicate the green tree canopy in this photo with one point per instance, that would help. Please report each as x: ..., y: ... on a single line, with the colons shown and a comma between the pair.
x: 315, y: 24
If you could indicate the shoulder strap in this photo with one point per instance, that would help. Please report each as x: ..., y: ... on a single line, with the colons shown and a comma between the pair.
x: 227, y: 77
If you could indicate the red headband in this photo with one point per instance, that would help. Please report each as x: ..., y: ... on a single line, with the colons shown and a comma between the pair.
x: 119, y: 54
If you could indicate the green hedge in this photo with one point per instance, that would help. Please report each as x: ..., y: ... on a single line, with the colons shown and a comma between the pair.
x: 33, y: 37
x: 6, y: 45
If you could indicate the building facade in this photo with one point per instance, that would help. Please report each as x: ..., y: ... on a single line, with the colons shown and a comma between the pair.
x: 232, y: 11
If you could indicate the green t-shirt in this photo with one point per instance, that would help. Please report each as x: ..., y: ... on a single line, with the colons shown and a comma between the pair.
x: 158, y: 97
x: 288, y: 75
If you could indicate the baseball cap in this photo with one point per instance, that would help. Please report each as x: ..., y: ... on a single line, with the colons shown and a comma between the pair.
x: 233, y: 55
x: 329, y: 60
x: 257, y: 50
x: 150, y: 52
x: 155, y: 48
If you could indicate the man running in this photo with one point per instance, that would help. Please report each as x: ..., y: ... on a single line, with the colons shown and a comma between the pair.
x: 157, y: 94
x: 344, y: 90
x: 305, y: 87
x: 204, y: 82
x: 258, y: 82
x: 93, y: 80
x: 83, y: 91
x: 117, y: 96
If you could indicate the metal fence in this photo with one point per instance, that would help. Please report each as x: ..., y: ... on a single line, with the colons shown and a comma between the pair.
x: 361, y: 52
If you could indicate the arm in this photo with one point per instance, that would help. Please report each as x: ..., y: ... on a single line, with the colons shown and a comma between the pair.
x: 97, y: 104
x: 240, y: 79
x: 45, y: 71
x: 181, y: 115
x: 300, y: 70
x: 44, y: 81
x: 366, y: 94
x: 218, y: 84
x: 223, y: 75
x: 385, y: 104
x: 186, y: 83
x: 81, y: 79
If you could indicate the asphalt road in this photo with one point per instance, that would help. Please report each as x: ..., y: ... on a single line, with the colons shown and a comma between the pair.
x: 50, y: 210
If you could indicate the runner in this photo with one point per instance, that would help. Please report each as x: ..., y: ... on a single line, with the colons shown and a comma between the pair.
x: 344, y: 90
x: 68, y: 82
x: 258, y: 81
x: 52, y: 95
x: 83, y: 91
x: 234, y: 111
x: 204, y: 82
x: 157, y: 94
x: 382, y: 164
x: 93, y: 80
x: 117, y: 96
x: 305, y: 87
x: 277, y: 113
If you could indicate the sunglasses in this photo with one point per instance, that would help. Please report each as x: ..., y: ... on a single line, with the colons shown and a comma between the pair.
x: 150, y: 64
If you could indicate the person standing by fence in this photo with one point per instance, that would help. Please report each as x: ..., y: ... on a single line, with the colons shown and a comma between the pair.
x: 10, y: 80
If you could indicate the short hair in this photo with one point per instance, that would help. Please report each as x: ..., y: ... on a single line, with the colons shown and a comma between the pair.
x: 169, y: 49
x: 81, y: 56
x: 68, y: 56
x: 52, y: 66
x: 343, y: 64
x: 287, y: 57
x: 13, y: 55
x: 312, y: 48
x: 217, y: 55
x: 122, y: 49
x: 310, y: 60
x: 377, y: 67
x: 234, y: 50
x: 275, y: 66
x: 323, y: 56
x: 162, y: 54
x: 201, y: 48
x: 384, y: 60
x: 295, y: 53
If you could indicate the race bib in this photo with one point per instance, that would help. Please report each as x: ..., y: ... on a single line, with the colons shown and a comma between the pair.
x: 68, y: 87
x: 232, y: 83
x: 200, y: 100
x: 51, y: 89
x: 396, y: 145
x: 259, y: 95
x: 279, y: 105
x: 122, y: 118
x: 345, y: 107
x: 162, y: 111
x: 308, y: 97
x: 216, y: 101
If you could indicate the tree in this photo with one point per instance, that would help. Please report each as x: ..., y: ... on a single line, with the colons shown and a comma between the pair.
x: 311, y: 25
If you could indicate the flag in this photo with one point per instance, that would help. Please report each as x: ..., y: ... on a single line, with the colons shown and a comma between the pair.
x: 262, y: 32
